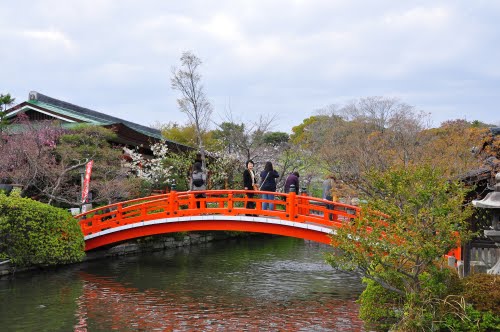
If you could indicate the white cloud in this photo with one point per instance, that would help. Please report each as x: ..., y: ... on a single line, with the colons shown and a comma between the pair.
x: 280, y: 56
x: 223, y: 28
x: 421, y: 17
x: 50, y: 39
x: 115, y: 73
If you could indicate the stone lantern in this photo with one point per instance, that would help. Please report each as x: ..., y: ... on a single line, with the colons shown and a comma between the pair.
x: 492, y: 201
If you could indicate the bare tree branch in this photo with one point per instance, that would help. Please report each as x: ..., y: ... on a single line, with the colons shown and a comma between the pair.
x: 187, y: 80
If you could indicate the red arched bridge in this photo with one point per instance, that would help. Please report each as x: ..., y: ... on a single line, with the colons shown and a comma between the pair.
x: 219, y: 210
x: 292, y: 215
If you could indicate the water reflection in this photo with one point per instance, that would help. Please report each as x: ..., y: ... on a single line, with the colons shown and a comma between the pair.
x: 108, y: 305
x: 265, y: 284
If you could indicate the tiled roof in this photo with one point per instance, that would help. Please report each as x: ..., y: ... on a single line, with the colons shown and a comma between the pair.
x: 66, y: 112
x: 87, y: 115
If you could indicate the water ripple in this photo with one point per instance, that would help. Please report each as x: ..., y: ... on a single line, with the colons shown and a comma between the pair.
x: 270, y: 284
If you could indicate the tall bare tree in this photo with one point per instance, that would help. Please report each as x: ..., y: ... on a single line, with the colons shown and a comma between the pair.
x: 187, y: 80
x: 369, y: 133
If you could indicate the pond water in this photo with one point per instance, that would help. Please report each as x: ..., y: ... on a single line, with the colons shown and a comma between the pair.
x: 251, y: 284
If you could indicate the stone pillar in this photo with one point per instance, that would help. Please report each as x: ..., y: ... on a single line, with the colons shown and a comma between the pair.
x: 492, y: 201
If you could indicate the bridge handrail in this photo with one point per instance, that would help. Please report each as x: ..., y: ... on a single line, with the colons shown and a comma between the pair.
x: 287, y: 206
x: 129, y: 202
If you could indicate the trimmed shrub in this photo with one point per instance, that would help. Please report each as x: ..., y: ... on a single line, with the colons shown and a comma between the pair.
x: 37, y: 234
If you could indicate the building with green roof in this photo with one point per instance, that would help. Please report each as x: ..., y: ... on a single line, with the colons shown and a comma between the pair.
x: 40, y: 107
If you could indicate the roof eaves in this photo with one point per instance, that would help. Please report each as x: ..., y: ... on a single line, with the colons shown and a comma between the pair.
x: 92, y: 116
x: 68, y: 112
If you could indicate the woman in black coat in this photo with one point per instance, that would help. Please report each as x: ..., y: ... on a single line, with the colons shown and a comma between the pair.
x: 249, y: 182
x: 268, y: 179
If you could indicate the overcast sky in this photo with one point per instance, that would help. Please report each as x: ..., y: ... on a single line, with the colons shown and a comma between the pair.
x: 283, y: 58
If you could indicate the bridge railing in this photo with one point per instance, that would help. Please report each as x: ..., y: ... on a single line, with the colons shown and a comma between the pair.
x: 290, y: 206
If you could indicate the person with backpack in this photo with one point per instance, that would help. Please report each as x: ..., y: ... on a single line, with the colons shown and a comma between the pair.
x: 198, y: 181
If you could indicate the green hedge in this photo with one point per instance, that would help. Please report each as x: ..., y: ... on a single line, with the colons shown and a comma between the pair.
x: 471, y: 304
x: 481, y: 295
x: 37, y: 234
x: 379, y: 308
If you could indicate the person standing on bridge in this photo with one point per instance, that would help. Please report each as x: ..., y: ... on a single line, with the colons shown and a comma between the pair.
x: 268, y: 183
x: 293, y: 178
x: 328, y: 194
x: 197, y: 159
x: 198, y: 181
x: 249, y: 183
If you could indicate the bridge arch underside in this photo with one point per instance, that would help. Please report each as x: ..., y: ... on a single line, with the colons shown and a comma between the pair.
x: 264, y: 225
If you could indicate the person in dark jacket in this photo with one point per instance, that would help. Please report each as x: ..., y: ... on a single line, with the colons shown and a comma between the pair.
x: 327, y: 193
x: 268, y: 183
x: 198, y: 181
x: 249, y: 182
x: 197, y: 159
x: 293, y: 178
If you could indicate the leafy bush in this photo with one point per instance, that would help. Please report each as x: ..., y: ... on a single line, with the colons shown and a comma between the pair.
x: 471, y: 320
x: 444, y: 303
x: 477, y: 305
x: 379, y: 308
x: 483, y: 291
x: 37, y: 234
x: 439, y: 282
x: 423, y: 308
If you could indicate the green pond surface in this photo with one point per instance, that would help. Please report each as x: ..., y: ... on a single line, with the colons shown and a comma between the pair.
x: 252, y: 284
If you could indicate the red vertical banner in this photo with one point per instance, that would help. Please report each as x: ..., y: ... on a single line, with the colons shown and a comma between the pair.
x: 86, y: 181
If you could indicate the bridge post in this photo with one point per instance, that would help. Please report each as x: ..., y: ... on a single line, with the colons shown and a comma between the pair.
x: 303, y: 201
x: 143, y: 210
x: 291, y: 206
x: 173, y: 204
x: 229, y: 203
x: 119, y: 208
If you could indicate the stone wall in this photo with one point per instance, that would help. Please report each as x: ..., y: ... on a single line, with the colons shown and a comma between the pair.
x: 157, y: 243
